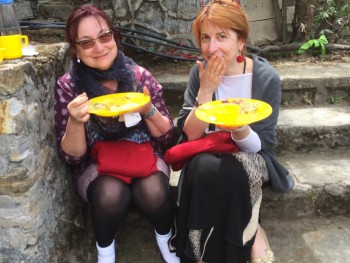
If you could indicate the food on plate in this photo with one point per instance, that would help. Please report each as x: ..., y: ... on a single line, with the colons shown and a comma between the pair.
x: 233, y: 111
x: 118, y: 103
x: 246, y: 107
x: 112, y: 107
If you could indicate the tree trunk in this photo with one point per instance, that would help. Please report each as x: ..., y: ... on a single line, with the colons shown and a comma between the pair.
x: 302, y: 23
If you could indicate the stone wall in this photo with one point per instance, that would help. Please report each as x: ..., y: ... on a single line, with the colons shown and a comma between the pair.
x: 170, y: 19
x: 167, y: 19
x: 39, y: 219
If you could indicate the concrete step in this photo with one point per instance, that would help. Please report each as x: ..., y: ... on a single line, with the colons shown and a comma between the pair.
x: 303, y: 130
x: 313, y: 128
x: 310, y: 240
x: 314, y: 84
x: 316, y: 239
x: 322, y: 186
x: 307, y: 120
x: 301, y: 83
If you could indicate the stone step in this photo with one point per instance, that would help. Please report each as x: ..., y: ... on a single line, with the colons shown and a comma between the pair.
x: 303, y: 130
x: 322, y: 186
x: 314, y: 84
x: 301, y: 83
x: 312, y: 128
x: 322, y: 238
x: 316, y: 239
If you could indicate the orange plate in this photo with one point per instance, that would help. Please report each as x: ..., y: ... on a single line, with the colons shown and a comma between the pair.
x: 118, y: 103
x: 231, y: 112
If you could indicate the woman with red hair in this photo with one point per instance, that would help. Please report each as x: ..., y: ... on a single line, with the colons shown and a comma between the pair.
x: 220, y: 193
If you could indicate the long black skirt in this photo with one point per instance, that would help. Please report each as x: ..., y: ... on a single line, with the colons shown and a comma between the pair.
x: 218, y: 207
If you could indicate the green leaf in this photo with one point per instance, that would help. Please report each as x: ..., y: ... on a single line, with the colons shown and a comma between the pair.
x: 306, y: 46
x: 323, y: 40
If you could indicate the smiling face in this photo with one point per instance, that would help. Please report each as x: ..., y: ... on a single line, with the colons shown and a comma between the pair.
x: 224, y: 42
x: 100, y: 56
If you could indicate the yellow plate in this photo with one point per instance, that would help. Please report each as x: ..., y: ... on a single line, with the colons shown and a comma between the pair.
x: 233, y: 112
x: 118, y: 103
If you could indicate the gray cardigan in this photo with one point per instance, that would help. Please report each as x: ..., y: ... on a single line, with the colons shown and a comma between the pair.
x: 266, y: 86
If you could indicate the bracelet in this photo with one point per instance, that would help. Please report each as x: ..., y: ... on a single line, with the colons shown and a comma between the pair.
x: 197, y: 103
x: 151, y: 112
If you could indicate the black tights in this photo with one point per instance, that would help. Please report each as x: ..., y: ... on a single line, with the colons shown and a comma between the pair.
x: 110, y: 199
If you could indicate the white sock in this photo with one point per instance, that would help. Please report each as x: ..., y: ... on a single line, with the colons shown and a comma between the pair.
x: 162, y: 241
x: 106, y: 254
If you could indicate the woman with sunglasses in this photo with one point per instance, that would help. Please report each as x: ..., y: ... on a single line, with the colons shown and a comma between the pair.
x: 98, y: 68
x: 220, y: 193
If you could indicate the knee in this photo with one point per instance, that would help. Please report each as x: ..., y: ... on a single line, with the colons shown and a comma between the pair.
x: 112, y: 194
x: 107, y: 197
x: 203, y: 167
x: 157, y: 196
x: 155, y: 193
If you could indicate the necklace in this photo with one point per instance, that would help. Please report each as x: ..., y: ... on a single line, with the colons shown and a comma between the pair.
x: 244, y: 65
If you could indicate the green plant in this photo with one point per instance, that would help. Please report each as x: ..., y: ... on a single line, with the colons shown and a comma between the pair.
x: 318, y: 44
x: 336, y: 16
x: 336, y: 100
x: 327, y: 11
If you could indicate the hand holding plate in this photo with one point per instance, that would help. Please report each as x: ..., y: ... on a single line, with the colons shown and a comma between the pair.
x: 234, y: 129
x: 79, y: 109
x: 146, y: 107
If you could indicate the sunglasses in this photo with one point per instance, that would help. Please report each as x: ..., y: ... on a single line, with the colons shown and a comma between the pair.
x: 205, y: 3
x: 90, y: 43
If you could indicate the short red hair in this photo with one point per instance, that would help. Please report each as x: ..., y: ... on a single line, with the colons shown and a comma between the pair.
x: 225, y: 14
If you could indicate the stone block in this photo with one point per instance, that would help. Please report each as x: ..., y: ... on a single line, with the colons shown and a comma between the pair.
x: 150, y: 16
x: 12, y: 72
x: 55, y: 11
x: 23, y: 10
x: 15, y: 182
x: 11, y: 113
x: 175, y: 26
x: 187, y: 10
x: 20, y: 148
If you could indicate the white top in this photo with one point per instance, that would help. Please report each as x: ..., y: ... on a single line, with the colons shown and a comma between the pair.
x: 239, y: 86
